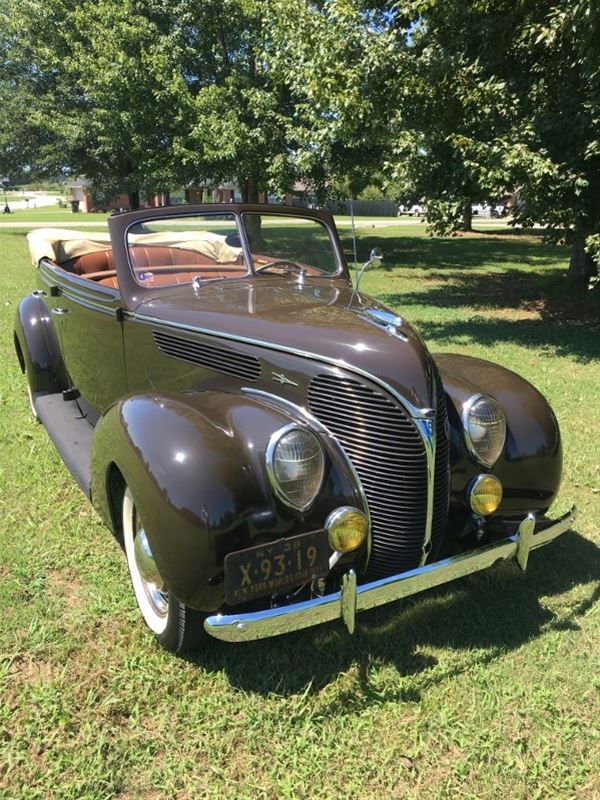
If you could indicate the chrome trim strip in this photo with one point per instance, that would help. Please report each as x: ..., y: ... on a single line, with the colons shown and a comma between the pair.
x: 426, y: 428
x: 80, y: 294
x: 262, y: 624
x: 111, y: 311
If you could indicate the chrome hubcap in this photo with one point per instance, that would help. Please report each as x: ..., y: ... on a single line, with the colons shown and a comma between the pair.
x: 153, y: 583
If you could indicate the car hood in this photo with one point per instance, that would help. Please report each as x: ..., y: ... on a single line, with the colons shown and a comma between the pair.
x: 320, y: 318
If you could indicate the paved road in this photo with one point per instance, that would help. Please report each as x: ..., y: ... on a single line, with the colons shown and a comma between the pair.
x: 36, y: 200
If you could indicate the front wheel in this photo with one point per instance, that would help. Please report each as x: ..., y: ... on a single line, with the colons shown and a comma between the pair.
x: 176, y: 626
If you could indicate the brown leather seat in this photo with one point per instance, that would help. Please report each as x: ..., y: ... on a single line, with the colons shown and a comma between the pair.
x: 162, y: 256
x: 99, y: 261
x: 142, y: 258
x: 149, y: 257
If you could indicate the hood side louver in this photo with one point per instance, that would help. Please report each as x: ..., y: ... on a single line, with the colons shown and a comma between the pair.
x: 238, y: 365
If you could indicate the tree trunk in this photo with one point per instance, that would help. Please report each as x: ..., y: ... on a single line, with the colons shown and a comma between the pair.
x: 581, y: 266
x: 467, y: 217
x: 250, y: 191
x: 134, y: 200
x: 253, y: 222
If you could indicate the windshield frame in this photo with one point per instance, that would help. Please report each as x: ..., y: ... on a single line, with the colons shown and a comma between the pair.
x: 133, y: 293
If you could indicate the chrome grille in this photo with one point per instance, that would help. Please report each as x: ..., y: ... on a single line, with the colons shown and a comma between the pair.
x: 389, y: 456
x: 239, y: 365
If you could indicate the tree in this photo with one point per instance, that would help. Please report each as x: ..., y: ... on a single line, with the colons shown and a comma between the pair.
x: 102, y: 89
x: 241, y: 124
x: 333, y: 58
x: 506, y: 95
x: 145, y: 93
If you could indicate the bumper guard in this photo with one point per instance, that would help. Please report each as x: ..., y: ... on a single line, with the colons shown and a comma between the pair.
x: 352, y: 598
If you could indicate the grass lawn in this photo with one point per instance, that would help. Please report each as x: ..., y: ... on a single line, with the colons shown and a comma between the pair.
x: 51, y: 214
x: 487, y: 688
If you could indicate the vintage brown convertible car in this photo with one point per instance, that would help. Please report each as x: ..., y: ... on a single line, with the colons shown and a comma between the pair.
x: 272, y: 448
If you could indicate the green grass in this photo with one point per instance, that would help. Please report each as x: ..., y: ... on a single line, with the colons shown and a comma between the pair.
x: 487, y: 688
x: 51, y: 214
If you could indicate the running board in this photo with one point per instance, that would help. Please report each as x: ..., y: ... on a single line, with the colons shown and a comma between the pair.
x: 71, y: 433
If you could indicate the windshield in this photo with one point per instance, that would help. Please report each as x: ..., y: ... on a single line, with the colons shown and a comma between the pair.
x: 189, y: 248
x: 181, y: 249
x: 283, y: 243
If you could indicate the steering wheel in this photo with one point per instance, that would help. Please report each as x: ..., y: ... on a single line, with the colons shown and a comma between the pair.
x: 282, y: 263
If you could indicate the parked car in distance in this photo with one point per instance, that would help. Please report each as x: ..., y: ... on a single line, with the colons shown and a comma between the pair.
x: 272, y: 447
x: 494, y: 211
x: 414, y: 210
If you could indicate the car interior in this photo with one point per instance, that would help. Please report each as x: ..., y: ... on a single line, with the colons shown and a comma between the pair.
x: 172, y: 261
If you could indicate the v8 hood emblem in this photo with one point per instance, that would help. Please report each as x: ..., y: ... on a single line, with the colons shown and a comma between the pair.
x: 281, y: 378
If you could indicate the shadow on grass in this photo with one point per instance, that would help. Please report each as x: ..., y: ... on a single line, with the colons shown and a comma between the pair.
x: 494, y: 612
x: 459, y: 252
x: 576, y: 342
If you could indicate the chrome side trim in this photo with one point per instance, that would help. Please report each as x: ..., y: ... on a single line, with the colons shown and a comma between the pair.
x: 262, y: 624
x: 414, y: 411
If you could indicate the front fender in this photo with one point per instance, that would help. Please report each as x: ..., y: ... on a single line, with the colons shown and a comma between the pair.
x: 530, y: 466
x: 37, y: 346
x: 195, y: 465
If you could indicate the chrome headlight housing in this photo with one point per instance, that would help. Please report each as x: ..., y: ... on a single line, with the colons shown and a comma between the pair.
x: 295, y: 465
x: 484, y: 426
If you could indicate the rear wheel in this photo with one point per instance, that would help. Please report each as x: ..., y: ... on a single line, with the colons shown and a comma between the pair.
x: 176, y: 626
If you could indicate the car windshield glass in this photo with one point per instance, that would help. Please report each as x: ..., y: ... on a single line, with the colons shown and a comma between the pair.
x: 184, y: 249
x: 283, y: 243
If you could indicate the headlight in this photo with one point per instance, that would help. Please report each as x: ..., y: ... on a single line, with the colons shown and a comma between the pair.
x: 485, y: 428
x: 295, y: 464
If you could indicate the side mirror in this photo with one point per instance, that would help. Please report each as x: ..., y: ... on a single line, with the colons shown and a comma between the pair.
x: 375, y: 259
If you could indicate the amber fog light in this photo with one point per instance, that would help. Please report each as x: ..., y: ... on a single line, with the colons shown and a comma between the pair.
x: 347, y: 528
x: 485, y: 494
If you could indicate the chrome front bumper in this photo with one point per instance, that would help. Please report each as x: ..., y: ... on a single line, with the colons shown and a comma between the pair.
x: 352, y: 598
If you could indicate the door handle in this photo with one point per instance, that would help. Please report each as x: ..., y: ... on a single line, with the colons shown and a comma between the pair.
x: 60, y: 312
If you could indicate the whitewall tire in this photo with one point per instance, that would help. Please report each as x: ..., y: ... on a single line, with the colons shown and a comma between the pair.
x: 176, y: 626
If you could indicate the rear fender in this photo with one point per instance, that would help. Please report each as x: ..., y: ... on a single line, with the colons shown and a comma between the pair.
x: 530, y: 465
x: 195, y: 464
x: 37, y: 346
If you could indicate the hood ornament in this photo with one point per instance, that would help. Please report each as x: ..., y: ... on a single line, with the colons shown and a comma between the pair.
x: 281, y: 378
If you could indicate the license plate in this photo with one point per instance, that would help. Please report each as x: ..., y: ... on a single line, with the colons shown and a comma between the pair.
x: 274, y: 567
